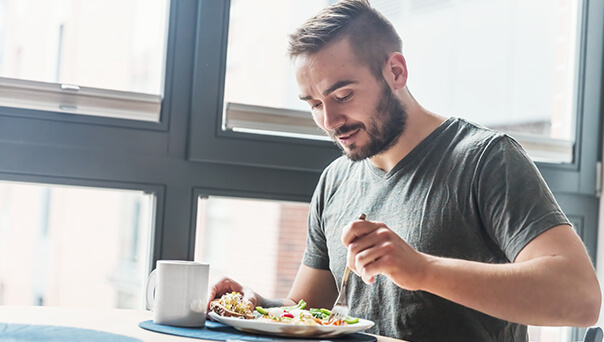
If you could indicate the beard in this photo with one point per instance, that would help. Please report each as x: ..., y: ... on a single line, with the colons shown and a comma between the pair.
x: 386, y: 125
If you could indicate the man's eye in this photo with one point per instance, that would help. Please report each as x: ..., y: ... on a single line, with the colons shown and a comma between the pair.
x: 344, y: 98
x: 316, y: 105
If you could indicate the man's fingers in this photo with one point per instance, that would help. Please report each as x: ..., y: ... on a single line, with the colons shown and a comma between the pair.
x: 350, y: 262
x: 249, y: 298
x: 365, y: 261
x: 221, y: 287
x: 358, y: 229
x: 367, y: 278
x: 365, y: 250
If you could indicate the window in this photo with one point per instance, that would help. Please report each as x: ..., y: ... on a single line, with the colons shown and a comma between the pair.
x: 73, y: 246
x: 253, y: 104
x: 102, y: 58
x: 259, y: 243
x: 249, y: 63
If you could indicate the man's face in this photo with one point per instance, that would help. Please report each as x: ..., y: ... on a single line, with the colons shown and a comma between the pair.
x: 359, y: 112
x: 383, y: 126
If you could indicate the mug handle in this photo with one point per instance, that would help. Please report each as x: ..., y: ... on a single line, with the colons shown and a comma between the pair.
x: 151, y: 284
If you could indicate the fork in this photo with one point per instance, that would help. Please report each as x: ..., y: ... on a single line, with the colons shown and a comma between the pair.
x: 340, y: 308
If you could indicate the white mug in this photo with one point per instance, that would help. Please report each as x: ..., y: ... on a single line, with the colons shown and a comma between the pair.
x: 177, y: 293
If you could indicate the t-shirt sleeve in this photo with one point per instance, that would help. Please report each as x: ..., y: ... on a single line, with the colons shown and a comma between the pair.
x: 515, y: 202
x: 316, y: 254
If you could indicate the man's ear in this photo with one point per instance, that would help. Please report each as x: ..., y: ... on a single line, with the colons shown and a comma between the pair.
x: 395, y: 71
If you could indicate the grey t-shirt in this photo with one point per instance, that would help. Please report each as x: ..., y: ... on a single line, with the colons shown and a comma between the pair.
x: 464, y: 192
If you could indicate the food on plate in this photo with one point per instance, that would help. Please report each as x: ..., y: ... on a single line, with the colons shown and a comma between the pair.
x: 231, y: 305
x: 298, y: 315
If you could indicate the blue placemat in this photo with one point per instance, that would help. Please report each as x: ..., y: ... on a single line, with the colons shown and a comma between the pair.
x: 221, y: 332
x: 53, y: 333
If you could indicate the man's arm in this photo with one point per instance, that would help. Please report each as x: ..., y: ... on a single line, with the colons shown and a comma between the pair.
x: 317, y: 287
x: 551, y: 282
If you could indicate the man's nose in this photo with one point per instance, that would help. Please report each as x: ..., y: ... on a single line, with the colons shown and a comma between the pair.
x: 332, y: 118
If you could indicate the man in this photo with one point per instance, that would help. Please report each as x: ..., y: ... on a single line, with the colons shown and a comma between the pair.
x: 463, y: 240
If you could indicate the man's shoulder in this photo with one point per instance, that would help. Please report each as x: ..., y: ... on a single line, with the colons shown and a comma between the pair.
x: 472, y: 130
x: 468, y: 135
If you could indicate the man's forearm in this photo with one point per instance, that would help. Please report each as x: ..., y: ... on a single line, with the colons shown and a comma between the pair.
x: 550, y: 290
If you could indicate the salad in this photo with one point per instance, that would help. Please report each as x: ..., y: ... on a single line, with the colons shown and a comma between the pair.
x: 234, y: 301
x: 299, y: 315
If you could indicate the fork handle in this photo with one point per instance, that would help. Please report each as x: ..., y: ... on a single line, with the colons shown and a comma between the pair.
x: 347, y: 270
x: 345, y: 277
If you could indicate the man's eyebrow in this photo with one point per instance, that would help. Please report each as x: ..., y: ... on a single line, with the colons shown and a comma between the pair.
x: 331, y: 89
x: 337, y: 85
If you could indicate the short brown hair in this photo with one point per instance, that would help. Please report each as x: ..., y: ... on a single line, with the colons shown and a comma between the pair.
x: 372, y: 36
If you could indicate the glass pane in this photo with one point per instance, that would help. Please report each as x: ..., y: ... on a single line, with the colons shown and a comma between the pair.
x: 507, y: 64
x: 229, y: 228
x: 107, y: 44
x: 73, y: 246
x: 267, y: 80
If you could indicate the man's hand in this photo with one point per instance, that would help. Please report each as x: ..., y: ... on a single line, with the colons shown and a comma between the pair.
x: 226, y: 285
x: 375, y: 249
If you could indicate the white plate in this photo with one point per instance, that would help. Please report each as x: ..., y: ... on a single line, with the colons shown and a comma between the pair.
x: 291, y: 330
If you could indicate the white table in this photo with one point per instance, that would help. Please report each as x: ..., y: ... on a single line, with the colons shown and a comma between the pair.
x: 116, y: 321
